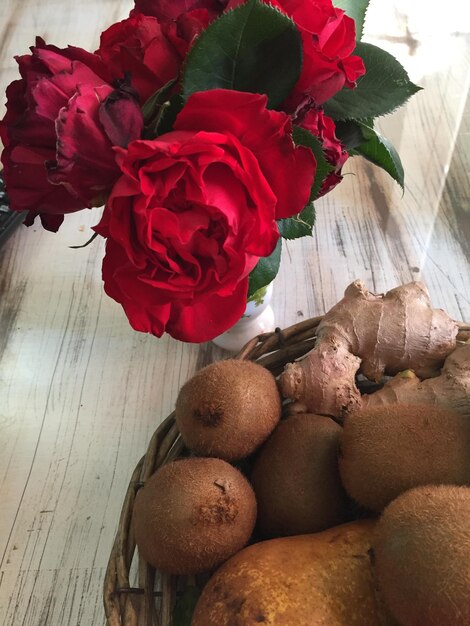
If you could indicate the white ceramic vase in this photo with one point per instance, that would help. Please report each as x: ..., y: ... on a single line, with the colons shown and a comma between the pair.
x: 258, y: 318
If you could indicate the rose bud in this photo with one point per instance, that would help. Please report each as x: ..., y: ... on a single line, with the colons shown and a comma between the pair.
x: 323, y: 127
x: 141, y: 49
x: 167, y: 11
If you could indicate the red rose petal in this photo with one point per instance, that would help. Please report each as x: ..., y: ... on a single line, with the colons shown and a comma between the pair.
x: 207, y: 316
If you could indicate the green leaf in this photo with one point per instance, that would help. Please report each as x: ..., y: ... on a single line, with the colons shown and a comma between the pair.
x: 384, y: 87
x: 349, y: 133
x: 253, y: 48
x: 151, y: 105
x: 185, y: 605
x: 355, y: 9
x: 164, y: 117
x: 168, y: 113
x: 154, y: 109
x: 379, y: 150
x: 298, y: 226
x: 303, y: 137
x: 258, y: 299
x: 360, y: 139
x: 265, y: 271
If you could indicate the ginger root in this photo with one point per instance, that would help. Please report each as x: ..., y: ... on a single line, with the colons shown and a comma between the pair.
x: 393, y: 332
x: 383, y: 334
x: 450, y: 390
x: 326, y: 363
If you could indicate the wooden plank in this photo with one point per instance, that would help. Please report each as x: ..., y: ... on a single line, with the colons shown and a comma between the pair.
x: 61, y: 596
x: 81, y: 392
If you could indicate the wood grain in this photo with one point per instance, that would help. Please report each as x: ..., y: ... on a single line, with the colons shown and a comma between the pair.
x: 81, y: 393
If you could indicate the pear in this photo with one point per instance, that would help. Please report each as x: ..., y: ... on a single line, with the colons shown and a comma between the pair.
x: 322, y: 579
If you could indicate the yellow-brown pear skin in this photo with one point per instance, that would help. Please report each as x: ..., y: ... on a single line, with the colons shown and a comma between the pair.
x: 323, y: 579
x: 228, y: 409
x: 422, y: 556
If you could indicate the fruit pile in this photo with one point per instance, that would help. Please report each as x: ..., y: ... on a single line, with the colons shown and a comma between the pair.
x: 357, y: 512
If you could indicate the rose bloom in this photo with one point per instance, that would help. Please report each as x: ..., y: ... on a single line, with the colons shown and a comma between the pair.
x: 62, y: 119
x: 323, y: 127
x: 195, y: 209
x: 328, y: 40
x: 149, y: 52
x: 169, y: 10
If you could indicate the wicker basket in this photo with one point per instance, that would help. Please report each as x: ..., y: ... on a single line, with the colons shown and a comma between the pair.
x: 151, y: 602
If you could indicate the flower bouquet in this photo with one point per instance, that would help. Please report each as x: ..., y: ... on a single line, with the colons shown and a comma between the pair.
x: 207, y: 129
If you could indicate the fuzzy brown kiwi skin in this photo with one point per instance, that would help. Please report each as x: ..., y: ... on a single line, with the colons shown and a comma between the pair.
x: 228, y: 409
x: 390, y: 449
x: 422, y: 556
x: 193, y: 514
x: 296, y: 478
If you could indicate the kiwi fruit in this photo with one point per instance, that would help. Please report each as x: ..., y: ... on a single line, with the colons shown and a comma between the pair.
x: 389, y: 449
x: 296, y: 478
x: 422, y: 556
x: 228, y: 409
x: 193, y: 514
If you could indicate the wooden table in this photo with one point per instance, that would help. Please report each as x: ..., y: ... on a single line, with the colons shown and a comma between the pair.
x: 81, y: 393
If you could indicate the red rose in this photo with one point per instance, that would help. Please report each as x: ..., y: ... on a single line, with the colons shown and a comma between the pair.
x: 194, y: 210
x: 58, y: 155
x: 323, y: 127
x: 169, y: 10
x: 186, y: 28
x: 140, y: 47
x: 310, y: 16
x: 328, y: 38
x: 328, y: 64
